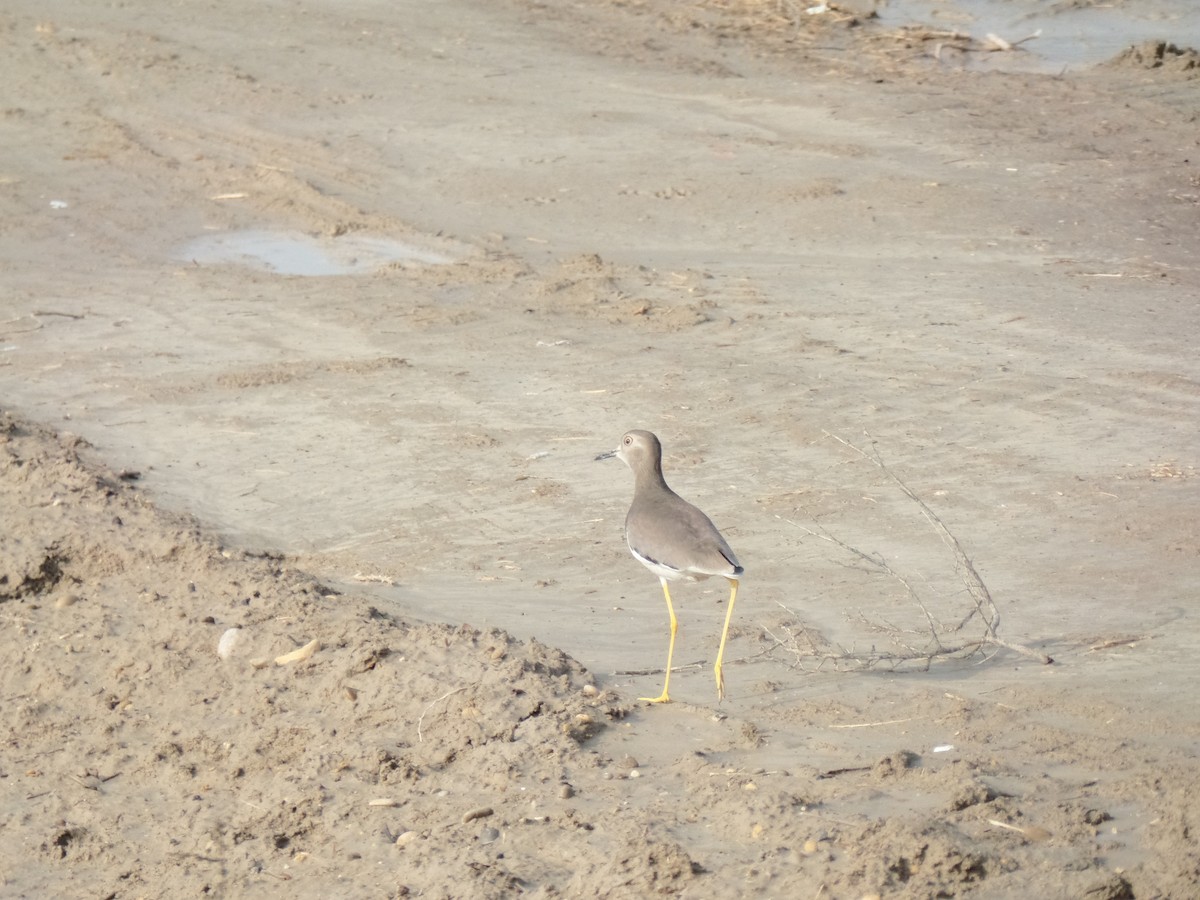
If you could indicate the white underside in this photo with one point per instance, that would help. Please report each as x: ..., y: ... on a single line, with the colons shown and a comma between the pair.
x: 671, y: 574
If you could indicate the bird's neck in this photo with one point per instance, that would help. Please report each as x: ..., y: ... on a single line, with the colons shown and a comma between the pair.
x: 651, y: 479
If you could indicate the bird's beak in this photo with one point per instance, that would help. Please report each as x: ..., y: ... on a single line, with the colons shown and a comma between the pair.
x: 609, y: 455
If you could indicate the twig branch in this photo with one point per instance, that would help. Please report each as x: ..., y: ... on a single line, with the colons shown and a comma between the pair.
x: 432, y: 704
x: 983, y: 606
x: 681, y: 667
x: 979, y: 592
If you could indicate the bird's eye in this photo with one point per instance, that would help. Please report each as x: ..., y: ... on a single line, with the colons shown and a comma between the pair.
x: 628, y: 440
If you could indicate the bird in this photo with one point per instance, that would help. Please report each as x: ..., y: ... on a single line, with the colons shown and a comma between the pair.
x: 673, y: 539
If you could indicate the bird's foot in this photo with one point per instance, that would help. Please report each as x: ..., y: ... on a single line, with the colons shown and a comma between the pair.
x: 661, y: 698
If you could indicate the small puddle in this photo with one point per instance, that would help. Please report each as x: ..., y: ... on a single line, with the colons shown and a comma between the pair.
x: 293, y: 253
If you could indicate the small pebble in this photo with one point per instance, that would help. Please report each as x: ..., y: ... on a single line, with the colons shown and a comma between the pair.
x: 810, y: 846
x: 628, y: 762
x: 589, y: 690
x: 566, y: 792
x: 66, y: 600
x: 405, y: 838
x: 489, y: 836
x: 383, y: 801
x: 635, y: 773
x: 482, y: 813
x: 228, y: 641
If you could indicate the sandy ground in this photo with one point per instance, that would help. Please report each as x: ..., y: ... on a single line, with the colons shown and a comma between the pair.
x: 765, y: 238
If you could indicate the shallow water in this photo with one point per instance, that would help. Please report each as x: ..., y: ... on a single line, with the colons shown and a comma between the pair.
x: 293, y: 253
x: 1074, y: 33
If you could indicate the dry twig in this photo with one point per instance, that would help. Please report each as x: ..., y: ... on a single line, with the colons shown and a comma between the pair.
x: 805, y: 646
x: 432, y: 704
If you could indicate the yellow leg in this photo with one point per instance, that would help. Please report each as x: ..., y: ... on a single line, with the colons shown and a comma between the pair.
x: 733, y: 586
x: 663, y: 697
